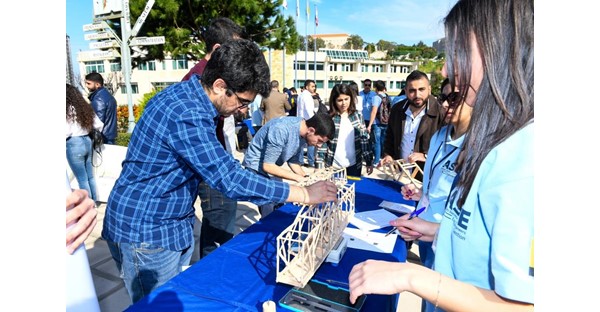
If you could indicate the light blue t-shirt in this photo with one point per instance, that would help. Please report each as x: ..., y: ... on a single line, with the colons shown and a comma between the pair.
x: 439, y: 172
x: 367, y: 103
x: 488, y: 243
x: 376, y: 103
x: 277, y: 142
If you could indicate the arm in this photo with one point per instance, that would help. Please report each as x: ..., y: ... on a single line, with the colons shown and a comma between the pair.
x: 277, y: 171
x: 382, y: 277
x: 297, y: 169
x: 286, y: 104
x: 81, y: 213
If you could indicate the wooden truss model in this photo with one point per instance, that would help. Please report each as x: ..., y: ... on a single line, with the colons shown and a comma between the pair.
x: 305, y: 244
x: 403, y: 172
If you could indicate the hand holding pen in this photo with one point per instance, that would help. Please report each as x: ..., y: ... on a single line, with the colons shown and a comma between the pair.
x: 412, y: 215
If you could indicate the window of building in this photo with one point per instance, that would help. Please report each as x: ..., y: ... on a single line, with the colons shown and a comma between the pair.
x: 115, y: 66
x: 149, y: 65
x: 134, y: 88
x: 94, y: 66
x: 377, y: 68
x: 364, y: 68
x: 159, y: 85
x: 405, y: 69
x: 180, y: 62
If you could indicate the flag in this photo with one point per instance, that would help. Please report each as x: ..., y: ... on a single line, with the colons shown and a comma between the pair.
x: 297, y: 8
x: 316, y: 16
x: 307, y: 11
x: 284, y: 4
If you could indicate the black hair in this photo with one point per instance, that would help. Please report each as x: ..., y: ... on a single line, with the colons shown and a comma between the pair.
x: 241, y: 64
x: 416, y: 75
x: 504, y: 32
x: 341, y: 88
x: 323, y: 125
x: 307, y: 82
x: 221, y: 30
x: 379, y: 85
x: 95, y: 77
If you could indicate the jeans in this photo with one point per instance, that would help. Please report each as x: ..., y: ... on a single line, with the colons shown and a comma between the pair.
x: 145, y: 267
x: 310, y: 151
x: 79, y: 157
x: 218, y: 219
x: 379, y: 133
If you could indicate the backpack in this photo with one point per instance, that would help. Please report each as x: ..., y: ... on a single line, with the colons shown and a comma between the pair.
x: 383, y: 113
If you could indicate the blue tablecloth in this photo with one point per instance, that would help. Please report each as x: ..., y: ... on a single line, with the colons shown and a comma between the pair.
x: 240, y: 275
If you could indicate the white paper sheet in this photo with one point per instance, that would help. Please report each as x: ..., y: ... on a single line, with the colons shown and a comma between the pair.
x: 372, y: 219
x: 371, y: 241
x: 403, y: 208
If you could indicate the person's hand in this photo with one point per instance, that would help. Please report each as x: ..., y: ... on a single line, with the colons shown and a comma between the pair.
x: 414, y: 157
x: 416, y: 228
x: 369, y: 129
x: 320, y: 192
x: 387, y: 159
x: 379, y: 277
x: 82, y: 215
x: 369, y: 170
x: 411, y: 192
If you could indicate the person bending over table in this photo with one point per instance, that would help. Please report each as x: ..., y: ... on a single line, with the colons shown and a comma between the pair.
x: 149, y: 215
x: 484, y: 245
x: 282, y: 140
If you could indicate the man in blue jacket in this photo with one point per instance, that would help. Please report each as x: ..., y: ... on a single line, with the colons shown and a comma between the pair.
x: 104, y: 105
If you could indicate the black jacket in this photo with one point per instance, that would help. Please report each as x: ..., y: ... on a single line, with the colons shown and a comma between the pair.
x: 105, y: 106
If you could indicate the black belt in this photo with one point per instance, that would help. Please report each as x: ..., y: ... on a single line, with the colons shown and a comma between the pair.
x: 68, y: 138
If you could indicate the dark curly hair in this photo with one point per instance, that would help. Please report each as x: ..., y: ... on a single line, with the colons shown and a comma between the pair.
x: 78, y: 109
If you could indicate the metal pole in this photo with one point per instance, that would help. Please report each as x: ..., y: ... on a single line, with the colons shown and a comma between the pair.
x: 306, y: 45
x: 315, y: 46
x: 283, y: 80
x: 126, y: 61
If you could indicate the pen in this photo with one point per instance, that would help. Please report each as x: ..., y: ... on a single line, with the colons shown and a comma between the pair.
x: 416, y: 213
x: 413, y: 214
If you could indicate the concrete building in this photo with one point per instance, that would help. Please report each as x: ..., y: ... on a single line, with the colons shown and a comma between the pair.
x: 332, y: 66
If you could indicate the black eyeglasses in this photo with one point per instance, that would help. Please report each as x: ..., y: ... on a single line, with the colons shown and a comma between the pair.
x: 452, y: 98
x: 243, y: 102
x: 367, y: 85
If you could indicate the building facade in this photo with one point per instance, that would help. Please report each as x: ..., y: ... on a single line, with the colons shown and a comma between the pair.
x: 327, y: 67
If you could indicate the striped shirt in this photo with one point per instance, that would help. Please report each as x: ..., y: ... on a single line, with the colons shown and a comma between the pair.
x: 172, y: 149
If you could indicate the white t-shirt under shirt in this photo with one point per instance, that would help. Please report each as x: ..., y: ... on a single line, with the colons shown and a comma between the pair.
x: 345, y: 152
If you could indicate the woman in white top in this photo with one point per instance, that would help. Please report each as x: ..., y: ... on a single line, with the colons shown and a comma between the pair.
x: 80, y: 120
x: 350, y: 146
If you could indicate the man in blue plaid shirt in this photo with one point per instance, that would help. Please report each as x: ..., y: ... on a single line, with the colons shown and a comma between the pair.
x: 149, y: 215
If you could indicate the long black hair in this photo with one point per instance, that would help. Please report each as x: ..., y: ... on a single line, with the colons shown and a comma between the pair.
x: 503, y: 30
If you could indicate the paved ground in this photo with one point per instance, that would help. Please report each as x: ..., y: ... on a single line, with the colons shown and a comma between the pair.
x: 111, y: 292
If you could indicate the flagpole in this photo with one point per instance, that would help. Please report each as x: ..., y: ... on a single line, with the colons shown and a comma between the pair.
x: 306, y: 44
x: 296, y: 53
x: 315, y: 45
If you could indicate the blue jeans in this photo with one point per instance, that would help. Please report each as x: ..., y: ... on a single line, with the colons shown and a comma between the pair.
x: 145, y: 267
x: 79, y: 157
x: 310, y: 151
x: 379, y: 133
x: 218, y: 219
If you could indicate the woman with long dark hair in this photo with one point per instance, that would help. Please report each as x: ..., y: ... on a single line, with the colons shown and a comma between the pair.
x: 80, y: 120
x: 484, y: 245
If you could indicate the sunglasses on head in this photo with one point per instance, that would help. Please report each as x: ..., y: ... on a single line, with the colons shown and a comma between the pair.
x: 452, y: 98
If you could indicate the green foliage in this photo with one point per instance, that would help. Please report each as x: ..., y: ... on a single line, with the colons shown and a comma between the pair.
x: 123, y: 139
x: 355, y: 42
x: 182, y: 22
x: 142, y: 103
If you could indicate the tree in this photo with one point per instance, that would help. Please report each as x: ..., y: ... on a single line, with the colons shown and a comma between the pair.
x: 355, y: 42
x: 370, y: 48
x: 383, y: 45
x: 182, y: 22
x: 311, y: 46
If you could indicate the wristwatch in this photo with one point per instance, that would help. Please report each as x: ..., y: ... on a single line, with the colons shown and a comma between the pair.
x: 425, y: 154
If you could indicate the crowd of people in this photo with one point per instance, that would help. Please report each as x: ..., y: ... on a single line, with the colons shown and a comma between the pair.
x: 476, y: 235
